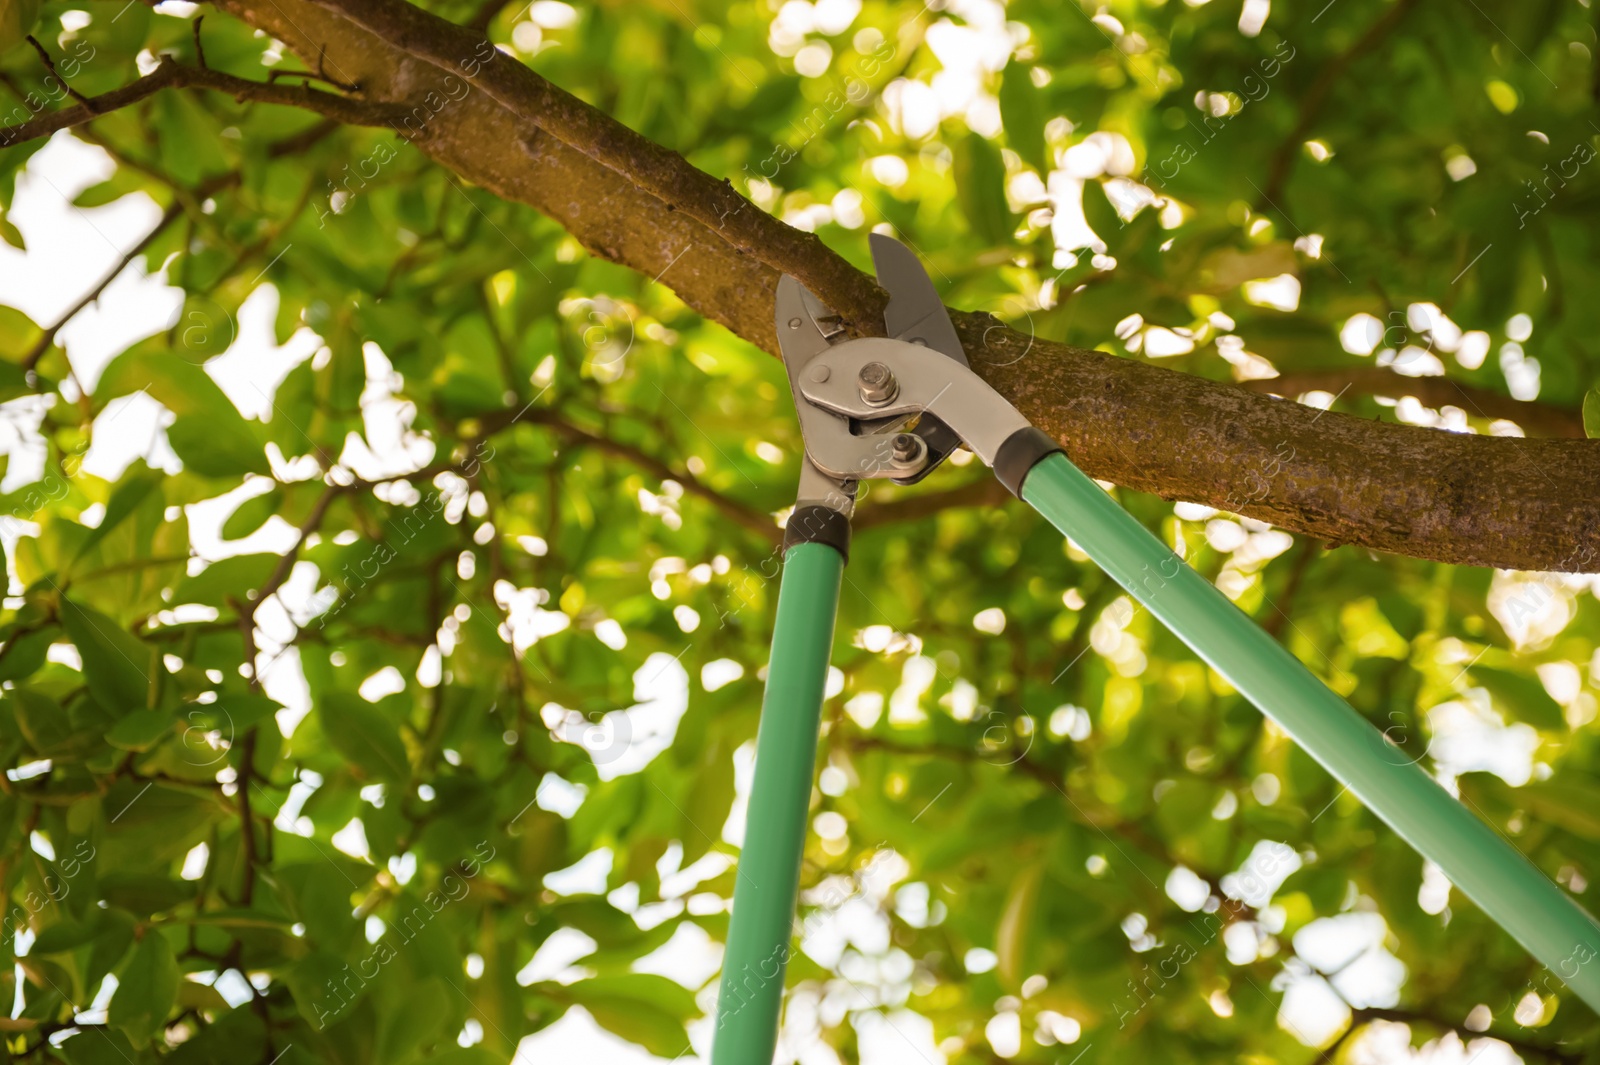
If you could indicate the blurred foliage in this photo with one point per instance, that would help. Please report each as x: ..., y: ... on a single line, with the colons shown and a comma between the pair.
x: 1021, y: 772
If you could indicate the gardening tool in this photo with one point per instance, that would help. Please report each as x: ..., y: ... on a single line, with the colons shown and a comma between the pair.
x: 895, y: 407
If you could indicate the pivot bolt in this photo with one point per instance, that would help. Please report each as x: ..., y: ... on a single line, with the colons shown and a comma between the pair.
x: 878, y: 385
x: 909, y: 450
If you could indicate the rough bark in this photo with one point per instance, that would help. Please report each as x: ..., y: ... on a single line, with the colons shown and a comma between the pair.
x: 1460, y: 498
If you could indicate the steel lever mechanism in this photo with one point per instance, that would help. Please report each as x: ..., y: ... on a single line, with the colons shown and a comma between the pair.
x: 927, y: 385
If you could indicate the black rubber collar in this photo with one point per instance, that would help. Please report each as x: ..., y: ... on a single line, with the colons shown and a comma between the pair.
x: 815, y: 524
x: 1021, y: 452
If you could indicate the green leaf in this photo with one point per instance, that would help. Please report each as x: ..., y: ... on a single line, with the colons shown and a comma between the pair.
x: 212, y: 454
x: 114, y: 935
x: 235, y: 1036
x: 149, y: 825
x: 204, y: 330
x: 144, y: 893
x: 1022, y: 113
x: 414, y: 1018
x: 44, y: 723
x: 346, y: 374
x: 980, y: 175
x: 117, y: 665
x: 641, y: 1008
x: 100, y: 1046
x: 225, y: 581
x: 194, y: 996
x: 17, y: 19
x: 323, y: 989
x: 140, y: 730
x: 146, y: 990
x: 1520, y: 698
x: 1572, y: 804
x: 361, y: 733
x: 12, y: 235
x: 122, y: 183
x: 231, y: 713
x: 1018, y: 930
x: 18, y: 332
x: 709, y: 800
x: 1098, y: 212
x: 140, y: 484
x: 475, y: 1055
x: 63, y: 936
x: 1591, y: 413
x: 26, y: 652
x: 252, y: 514
x: 13, y: 381
x: 319, y: 896
x: 209, y: 435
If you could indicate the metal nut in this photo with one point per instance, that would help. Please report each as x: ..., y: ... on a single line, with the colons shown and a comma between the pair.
x: 877, y: 383
x: 909, y: 450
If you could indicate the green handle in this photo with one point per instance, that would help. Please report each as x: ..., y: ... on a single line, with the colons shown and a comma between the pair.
x: 1492, y: 873
x: 780, y: 796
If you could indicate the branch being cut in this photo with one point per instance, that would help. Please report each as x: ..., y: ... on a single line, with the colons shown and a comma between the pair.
x: 655, y: 170
x: 1449, y: 497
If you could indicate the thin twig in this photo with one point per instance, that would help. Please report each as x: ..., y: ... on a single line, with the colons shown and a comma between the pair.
x: 49, y: 65
x: 1282, y: 609
x: 247, y: 755
x: 985, y: 493
x: 758, y: 522
x: 304, y: 76
x: 48, y: 337
x: 1316, y: 97
x: 171, y: 74
x: 199, y: 49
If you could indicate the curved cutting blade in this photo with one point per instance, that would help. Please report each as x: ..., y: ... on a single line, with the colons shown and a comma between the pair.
x: 916, y: 314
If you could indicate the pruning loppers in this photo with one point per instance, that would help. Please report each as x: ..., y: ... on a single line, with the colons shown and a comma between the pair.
x: 895, y: 407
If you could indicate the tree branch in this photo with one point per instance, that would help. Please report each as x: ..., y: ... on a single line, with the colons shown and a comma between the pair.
x: 658, y: 171
x: 758, y: 522
x: 986, y: 492
x: 173, y: 75
x: 1361, y: 1017
x: 50, y: 65
x: 485, y: 14
x: 1284, y: 607
x: 48, y: 337
x: 1537, y: 419
x: 1449, y: 497
x: 1132, y: 833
